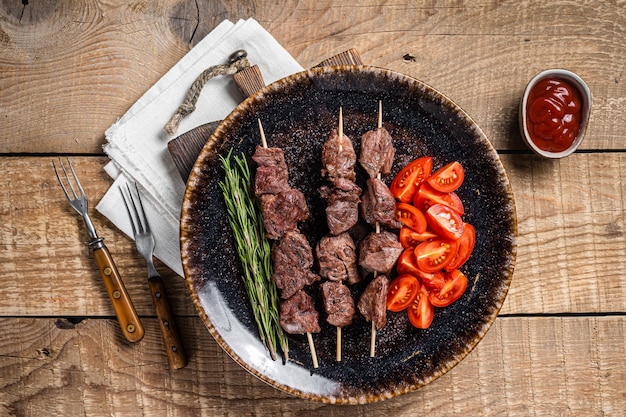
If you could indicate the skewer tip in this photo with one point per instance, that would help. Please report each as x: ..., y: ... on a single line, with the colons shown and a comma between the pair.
x: 263, y: 140
x: 312, y: 349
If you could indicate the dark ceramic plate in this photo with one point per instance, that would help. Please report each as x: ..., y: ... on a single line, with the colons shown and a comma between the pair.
x: 298, y: 113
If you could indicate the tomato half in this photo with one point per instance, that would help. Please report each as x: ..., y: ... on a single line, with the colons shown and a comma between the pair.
x: 409, y: 238
x: 404, y: 185
x: 434, y: 255
x: 402, y: 291
x: 465, y: 246
x: 411, y: 216
x: 447, y: 178
x: 445, y: 222
x: 453, y: 288
x: 427, y: 196
x: 421, y: 311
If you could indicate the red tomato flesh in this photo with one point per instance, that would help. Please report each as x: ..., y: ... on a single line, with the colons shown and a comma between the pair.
x: 411, y: 217
x: 421, y: 311
x: 427, y: 196
x: 445, y: 222
x: 447, y: 178
x: 434, y: 255
x: 453, y: 288
x: 465, y: 246
x: 404, y: 185
x: 402, y: 291
x: 409, y: 238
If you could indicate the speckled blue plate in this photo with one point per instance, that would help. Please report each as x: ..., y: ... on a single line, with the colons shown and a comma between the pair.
x: 298, y: 113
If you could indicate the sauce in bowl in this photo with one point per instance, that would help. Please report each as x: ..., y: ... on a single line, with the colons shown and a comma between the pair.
x: 553, y: 114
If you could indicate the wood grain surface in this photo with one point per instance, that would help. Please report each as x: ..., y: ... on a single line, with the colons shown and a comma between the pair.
x: 69, y: 69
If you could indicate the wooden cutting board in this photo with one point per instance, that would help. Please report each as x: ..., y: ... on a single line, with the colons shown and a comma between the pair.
x: 185, y: 148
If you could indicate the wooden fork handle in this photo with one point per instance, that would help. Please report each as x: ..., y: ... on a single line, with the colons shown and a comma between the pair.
x: 122, y: 304
x: 171, y: 338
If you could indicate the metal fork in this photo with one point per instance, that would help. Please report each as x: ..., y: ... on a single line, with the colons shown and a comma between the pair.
x: 122, y: 304
x: 145, y: 246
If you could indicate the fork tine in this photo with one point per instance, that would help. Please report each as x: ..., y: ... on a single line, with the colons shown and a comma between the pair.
x: 140, y: 221
x: 130, y: 215
x: 80, y: 187
x: 60, y: 181
x: 67, y: 177
x: 143, y: 212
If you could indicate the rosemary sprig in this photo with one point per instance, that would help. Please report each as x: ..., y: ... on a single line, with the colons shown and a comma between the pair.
x: 253, y: 248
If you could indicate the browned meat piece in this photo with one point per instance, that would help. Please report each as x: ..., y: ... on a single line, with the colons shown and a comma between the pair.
x: 372, y: 304
x: 342, y: 199
x: 336, y: 256
x: 379, y: 252
x: 282, y: 212
x: 298, y: 314
x: 377, y: 152
x: 271, y: 172
x: 379, y: 205
x: 338, y: 157
x: 338, y: 303
x: 292, y: 259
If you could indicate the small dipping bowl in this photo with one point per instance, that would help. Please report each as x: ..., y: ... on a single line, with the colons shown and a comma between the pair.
x: 585, y: 97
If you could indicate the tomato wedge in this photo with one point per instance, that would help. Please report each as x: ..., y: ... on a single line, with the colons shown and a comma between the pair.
x: 427, y: 196
x: 404, y: 185
x: 409, y: 238
x: 434, y: 255
x: 465, y: 246
x: 411, y: 217
x: 421, y: 311
x: 445, y: 222
x: 453, y: 288
x: 402, y: 291
x: 447, y: 178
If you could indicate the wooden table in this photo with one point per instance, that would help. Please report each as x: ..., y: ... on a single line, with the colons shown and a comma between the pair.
x: 69, y: 70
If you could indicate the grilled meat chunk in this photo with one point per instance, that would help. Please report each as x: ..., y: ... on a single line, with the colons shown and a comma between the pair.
x: 337, y: 258
x: 379, y: 252
x: 372, y: 304
x: 378, y: 205
x: 342, y: 209
x: 271, y: 172
x: 338, y: 157
x: 338, y: 303
x: 298, y: 314
x: 282, y: 212
x: 377, y: 152
x: 292, y: 259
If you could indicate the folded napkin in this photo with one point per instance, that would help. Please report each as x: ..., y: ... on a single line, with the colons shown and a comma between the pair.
x: 137, y: 143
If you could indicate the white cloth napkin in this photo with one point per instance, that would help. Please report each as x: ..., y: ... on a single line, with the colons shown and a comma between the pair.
x: 137, y: 143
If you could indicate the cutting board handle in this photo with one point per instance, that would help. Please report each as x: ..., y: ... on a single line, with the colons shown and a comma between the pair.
x: 185, y: 148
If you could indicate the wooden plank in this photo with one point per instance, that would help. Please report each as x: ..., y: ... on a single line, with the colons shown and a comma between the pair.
x: 524, y: 366
x: 571, y: 242
x: 481, y: 55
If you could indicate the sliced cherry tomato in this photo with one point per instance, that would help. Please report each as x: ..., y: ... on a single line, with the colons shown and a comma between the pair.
x: 427, y: 196
x: 404, y: 185
x: 445, y: 222
x: 421, y: 311
x: 409, y: 238
x: 447, y: 178
x: 465, y: 246
x: 407, y: 264
x: 453, y: 288
x: 410, y: 216
x: 434, y: 255
x: 402, y: 290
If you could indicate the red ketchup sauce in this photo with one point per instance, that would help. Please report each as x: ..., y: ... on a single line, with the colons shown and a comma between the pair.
x: 553, y: 113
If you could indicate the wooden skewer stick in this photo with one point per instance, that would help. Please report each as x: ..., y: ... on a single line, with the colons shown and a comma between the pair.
x: 373, y: 335
x: 308, y: 334
x: 340, y: 132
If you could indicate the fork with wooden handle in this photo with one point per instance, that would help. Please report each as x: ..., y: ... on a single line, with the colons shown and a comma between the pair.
x: 145, y: 246
x: 124, y: 310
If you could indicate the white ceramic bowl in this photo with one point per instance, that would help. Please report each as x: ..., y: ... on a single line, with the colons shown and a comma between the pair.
x: 585, y: 95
